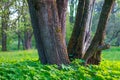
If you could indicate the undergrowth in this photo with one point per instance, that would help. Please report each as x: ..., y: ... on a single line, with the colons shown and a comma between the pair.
x: 24, y: 65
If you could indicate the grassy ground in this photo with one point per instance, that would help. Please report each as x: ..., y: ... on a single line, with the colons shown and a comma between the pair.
x: 18, y: 56
x: 24, y: 65
x: 112, y: 54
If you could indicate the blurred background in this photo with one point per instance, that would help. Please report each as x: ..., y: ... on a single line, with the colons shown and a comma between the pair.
x: 16, y: 31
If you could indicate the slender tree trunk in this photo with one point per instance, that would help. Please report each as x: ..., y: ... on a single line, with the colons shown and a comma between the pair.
x: 23, y: 43
x: 72, y: 6
x: 18, y: 42
x: 93, y: 54
x: 85, y: 30
x: 76, y: 30
x: 3, y: 31
x: 5, y: 18
x: 47, y: 31
x: 79, y: 41
x: 18, y: 34
x: 27, y: 39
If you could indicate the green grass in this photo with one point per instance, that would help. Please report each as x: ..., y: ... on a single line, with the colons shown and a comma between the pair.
x: 112, y: 54
x: 24, y: 65
x: 18, y: 56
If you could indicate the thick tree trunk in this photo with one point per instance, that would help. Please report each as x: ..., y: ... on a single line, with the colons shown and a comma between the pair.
x: 93, y: 53
x: 47, y: 31
x: 79, y: 41
x: 62, y: 9
x: 35, y: 24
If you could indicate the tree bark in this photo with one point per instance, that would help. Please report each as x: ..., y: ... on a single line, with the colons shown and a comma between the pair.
x: 93, y: 54
x: 35, y: 24
x: 62, y: 9
x: 79, y: 41
x: 76, y: 30
x: 85, y: 31
x: 47, y: 31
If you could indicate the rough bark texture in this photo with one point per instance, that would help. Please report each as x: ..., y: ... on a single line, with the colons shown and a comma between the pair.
x: 79, y: 41
x: 85, y: 31
x: 76, y: 30
x: 34, y: 20
x: 93, y: 54
x: 62, y: 8
x: 47, y: 31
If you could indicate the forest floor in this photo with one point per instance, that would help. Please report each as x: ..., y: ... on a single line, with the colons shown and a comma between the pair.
x: 24, y: 65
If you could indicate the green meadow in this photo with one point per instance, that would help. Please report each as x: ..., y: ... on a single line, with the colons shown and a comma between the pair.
x: 112, y: 54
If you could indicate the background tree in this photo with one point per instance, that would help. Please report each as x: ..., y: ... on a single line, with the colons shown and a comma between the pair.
x: 19, y: 31
x: 4, y: 23
x: 72, y: 6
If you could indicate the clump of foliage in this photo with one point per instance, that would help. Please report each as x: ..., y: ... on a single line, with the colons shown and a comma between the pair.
x: 33, y: 70
x: 24, y: 65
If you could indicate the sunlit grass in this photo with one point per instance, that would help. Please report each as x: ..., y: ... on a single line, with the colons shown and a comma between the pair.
x: 17, y: 56
x: 112, y: 54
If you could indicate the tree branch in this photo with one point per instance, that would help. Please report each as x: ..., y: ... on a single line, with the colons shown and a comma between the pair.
x: 103, y: 47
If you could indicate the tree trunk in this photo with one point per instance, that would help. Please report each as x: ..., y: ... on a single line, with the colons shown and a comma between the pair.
x: 85, y: 30
x: 18, y: 41
x: 76, y: 30
x: 47, y: 31
x: 27, y: 39
x: 5, y: 18
x: 3, y: 32
x: 93, y: 54
x: 72, y: 6
x: 62, y: 8
x: 79, y: 41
